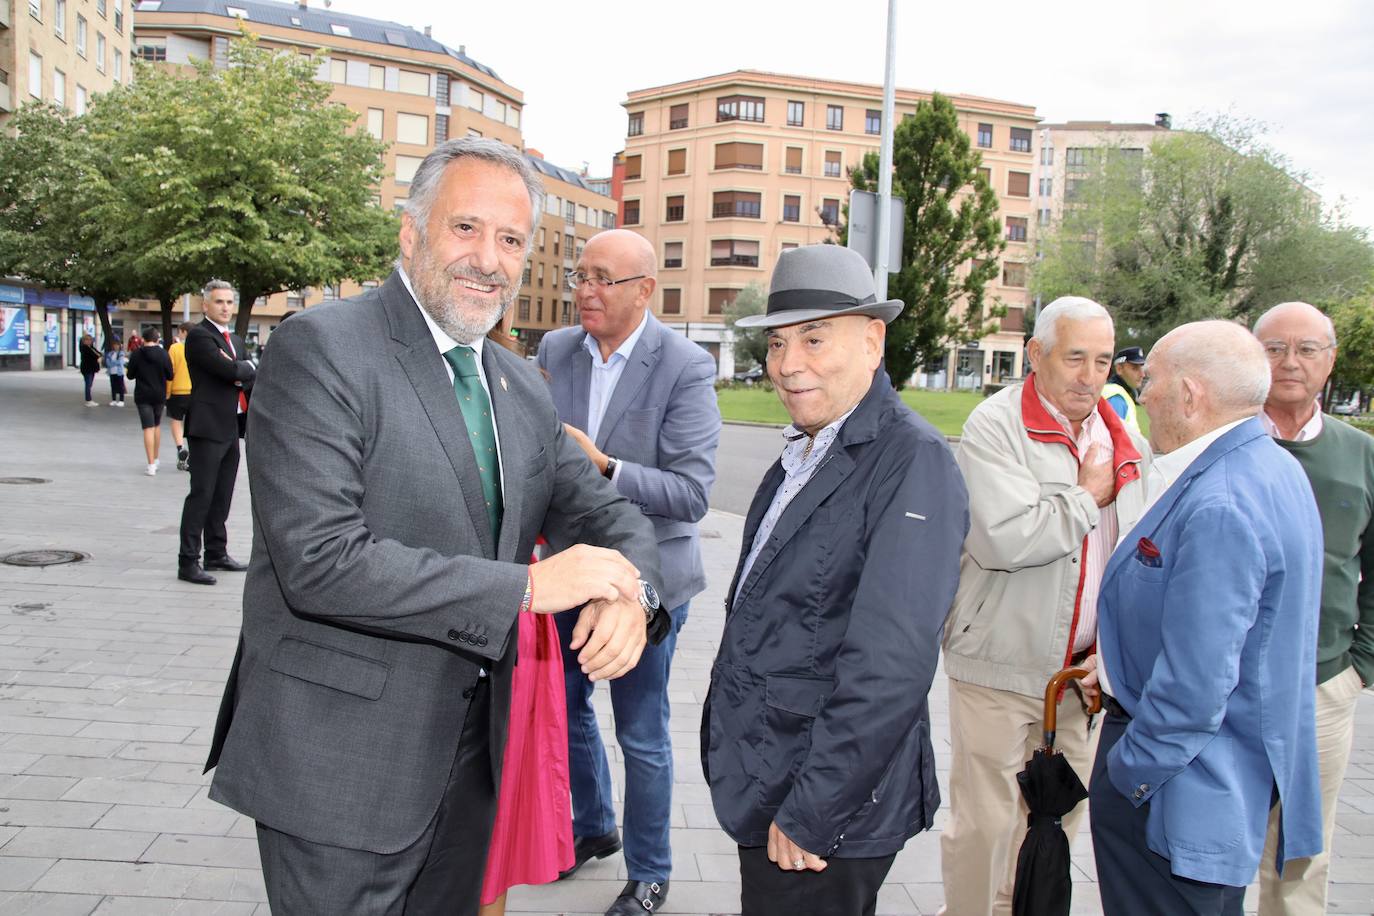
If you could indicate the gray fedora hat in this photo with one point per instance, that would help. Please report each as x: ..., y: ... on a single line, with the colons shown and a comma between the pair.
x: 820, y: 281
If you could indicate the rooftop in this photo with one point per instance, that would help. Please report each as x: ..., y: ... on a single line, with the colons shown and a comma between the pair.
x: 562, y: 174
x: 311, y: 19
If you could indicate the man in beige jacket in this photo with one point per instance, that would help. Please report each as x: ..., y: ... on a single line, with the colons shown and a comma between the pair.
x: 1053, y: 478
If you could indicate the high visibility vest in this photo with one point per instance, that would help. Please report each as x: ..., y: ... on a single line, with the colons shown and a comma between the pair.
x: 1112, y: 389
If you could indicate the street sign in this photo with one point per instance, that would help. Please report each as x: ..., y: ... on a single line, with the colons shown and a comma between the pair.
x: 863, y: 228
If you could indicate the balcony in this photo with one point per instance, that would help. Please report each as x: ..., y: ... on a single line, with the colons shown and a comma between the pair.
x: 6, y: 11
x: 6, y: 103
x: 736, y: 260
x: 740, y: 209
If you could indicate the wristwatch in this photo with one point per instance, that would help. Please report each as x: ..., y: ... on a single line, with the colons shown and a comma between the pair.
x: 611, y: 464
x: 648, y: 599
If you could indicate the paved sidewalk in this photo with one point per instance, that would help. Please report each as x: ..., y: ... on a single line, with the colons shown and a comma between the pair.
x: 111, y: 672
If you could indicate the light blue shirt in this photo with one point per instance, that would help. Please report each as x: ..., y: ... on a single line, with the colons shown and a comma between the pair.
x: 606, y: 374
x: 800, y: 458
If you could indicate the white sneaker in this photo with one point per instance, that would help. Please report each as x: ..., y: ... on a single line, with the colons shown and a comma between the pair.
x: 92, y: 404
x: 152, y: 470
x: 157, y: 463
x: 121, y: 403
x: 114, y: 403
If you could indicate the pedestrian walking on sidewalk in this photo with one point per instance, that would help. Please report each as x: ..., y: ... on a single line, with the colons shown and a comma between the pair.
x: 179, y: 395
x: 115, y: 361
x: 91, y: 361
x: 151, y: 370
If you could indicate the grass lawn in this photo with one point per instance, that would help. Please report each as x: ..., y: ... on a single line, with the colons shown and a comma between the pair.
x: 946, y: 410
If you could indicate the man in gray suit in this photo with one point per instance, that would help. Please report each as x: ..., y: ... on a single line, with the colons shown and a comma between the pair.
x: 400, y: 473
x: 640, y: 400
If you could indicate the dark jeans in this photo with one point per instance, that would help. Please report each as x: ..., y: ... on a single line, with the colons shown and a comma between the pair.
x: 439, y: 875
x: 214, y: 467
x: 1133, y: 879
x: 639, y: 701
x: 847, y: 887
x: 89, y: 378
x: 117, y: 388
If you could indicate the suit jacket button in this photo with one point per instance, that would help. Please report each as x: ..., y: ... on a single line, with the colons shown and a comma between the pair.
x: 454, y: 634
x: 481, y: 640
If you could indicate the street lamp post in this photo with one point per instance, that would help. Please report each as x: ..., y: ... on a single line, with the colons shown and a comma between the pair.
x: 885, y: 159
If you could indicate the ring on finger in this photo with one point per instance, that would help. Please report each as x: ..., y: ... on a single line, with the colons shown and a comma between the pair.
x: 798, y: 864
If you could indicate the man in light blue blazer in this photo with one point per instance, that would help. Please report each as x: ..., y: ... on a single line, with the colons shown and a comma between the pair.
x: 1207, y: 638
x: 640, y: 399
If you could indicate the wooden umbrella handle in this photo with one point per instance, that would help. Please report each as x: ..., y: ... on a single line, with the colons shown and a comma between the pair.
x: 1052, y: 689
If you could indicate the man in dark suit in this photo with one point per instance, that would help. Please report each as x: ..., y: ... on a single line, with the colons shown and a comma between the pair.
x: 220, y: 372
x: 640, y: 399
x: 400, y: 473
x: 815, y: 736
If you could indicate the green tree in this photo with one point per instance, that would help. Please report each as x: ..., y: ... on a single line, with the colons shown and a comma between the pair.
x: 1354, y: 321
x: 751, y: 346
x: 951, y: 241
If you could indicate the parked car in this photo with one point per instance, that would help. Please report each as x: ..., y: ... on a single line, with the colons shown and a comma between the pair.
x: 749, y: 376
x: 1348, y: 408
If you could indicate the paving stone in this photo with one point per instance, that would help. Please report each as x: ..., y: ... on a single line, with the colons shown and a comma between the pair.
x: 150, y: 906
x: 153, y: 880
x: 168, y: 820
x: 25, y: 813
x: 25, y: 904
x: 19, y: 874
x: 131, y: 792
x: 26, y: 786
x: 76, y: 843
x: 191, y: 849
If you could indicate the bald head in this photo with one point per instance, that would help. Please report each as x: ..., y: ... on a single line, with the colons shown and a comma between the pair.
x: 1201, y: 376
x: 628, y: 248
x: 1300, y: 315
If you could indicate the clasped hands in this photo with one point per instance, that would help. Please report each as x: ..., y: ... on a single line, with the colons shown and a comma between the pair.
x: 611, y: 631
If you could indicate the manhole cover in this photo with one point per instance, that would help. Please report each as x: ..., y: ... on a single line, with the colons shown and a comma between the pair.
x: 24, y: 480
x: 43, y: 557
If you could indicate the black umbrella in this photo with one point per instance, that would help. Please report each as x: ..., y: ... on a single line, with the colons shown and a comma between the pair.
x: 1051, y: 789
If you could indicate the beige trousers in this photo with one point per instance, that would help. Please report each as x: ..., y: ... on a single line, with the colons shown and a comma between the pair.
x: 993, y: 733
x: 1302, y: 889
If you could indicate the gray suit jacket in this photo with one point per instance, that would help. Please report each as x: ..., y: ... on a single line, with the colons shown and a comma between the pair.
x: 663, y: 425
x: 374, y: 592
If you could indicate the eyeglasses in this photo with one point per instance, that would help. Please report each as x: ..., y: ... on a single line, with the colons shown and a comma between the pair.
x: 575, y: 278
x: 1307, y: 349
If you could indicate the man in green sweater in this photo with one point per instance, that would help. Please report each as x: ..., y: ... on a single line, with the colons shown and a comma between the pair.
x: 1339, y: 460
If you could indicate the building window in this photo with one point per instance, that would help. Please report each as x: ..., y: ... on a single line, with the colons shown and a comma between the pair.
x: 100, y: 52
x: 237, y: 12
x: 153, y: 50
x: 739, y: 108
x: 873, y: 121
x: 677, y: 162
x: 539, y: 310
x: 376, y: 77
x: 636, y: 124
x: 632, y: 213
x: 672, y: 254
x: 119, y: 17
x: 35, y: 75
x: 796, y: 114
x: 1020, y: 140
x: 1075, y: 155
x: 541, y: 273
x: 986, y: 175
x: 793, y: 161
x: 406, y: 167
x: 717, y: 299
x: 342, y: 31
x: 1018, y: 184
x: 1047, y: 155
x: 830, y: 211
x: 677, y: 117
x: 59, y: 18
x: 1071, y: 188
x: 791, y: 208
x: 36, y: 9
x: 1016, y: 228
x: 739, y: 155
x: 788, y: 246
x: 676, y: 209
x: 413, y: 82
x: 634, y: 167
x: 567, y: 312
x: 441, y: 89
x: 1044, y: 219
x: 81, y: 41
x: 118, y: 65
x: 734, y: 253
x: 834, y: 117
x: 338, y: 70
x: 295, y: 299
x: 523, y: 310
x: 1046, y: 187
x: 374, y: 122
x: 832, y: 163
x: 80, y: 99
x: 985, y: 136
x: 476, y: 99
x: 525, y: 276
x: 672, y: 302
x: 1013, y: 273
x: 59, y: 88
x: 440, y: 128
x: 558, y: 238
x: 330, y: 291
x: 412, y: 128
x: 737, y: 204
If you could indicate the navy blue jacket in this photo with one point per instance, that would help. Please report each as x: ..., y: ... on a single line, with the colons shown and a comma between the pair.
x: 817, y: 715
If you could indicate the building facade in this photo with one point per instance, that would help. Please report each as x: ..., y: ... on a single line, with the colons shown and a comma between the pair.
x: 723, y: 173
x: 1067, y: 153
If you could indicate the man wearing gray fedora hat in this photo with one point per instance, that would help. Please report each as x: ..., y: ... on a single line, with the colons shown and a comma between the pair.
x: 816, y: 732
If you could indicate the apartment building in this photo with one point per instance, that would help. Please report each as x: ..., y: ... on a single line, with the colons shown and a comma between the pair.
x: 1068, y: 151
x: 62, y: 51
x: 724, y: 172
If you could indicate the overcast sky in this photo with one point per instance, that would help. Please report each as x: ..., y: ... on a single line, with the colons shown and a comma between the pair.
x: 1306, y: 69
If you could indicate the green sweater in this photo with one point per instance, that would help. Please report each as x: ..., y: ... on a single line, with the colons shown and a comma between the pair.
x: 1340, y: 464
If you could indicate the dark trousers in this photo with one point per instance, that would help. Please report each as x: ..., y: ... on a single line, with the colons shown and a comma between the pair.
x: 439, y: 875
x: 214, y: 467
x: 1134, y: 880
x: 847, y: 887
x: 117, y: 389
x: 89, y: 378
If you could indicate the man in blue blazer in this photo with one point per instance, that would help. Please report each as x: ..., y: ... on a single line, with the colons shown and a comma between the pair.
x: 640, y: 399
x: 1207, y: 639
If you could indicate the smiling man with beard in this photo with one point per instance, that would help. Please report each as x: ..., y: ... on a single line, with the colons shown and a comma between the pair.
x: 400, y: 474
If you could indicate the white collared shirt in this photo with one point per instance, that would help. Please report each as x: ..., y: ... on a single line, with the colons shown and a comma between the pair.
x: 606, y: 375
x: 443, y: 342
x: 1310, y: 430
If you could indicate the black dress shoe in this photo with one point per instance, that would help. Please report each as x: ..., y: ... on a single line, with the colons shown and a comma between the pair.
x: 586, y: 848
x: 226, y: 563
x: 191, y: 572
x: 639, y: 897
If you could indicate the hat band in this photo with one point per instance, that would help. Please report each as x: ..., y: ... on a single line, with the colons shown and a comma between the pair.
x: 789, y: 300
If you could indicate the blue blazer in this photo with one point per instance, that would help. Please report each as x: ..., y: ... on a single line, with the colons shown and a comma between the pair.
x: 1210, y: 640
x: 662, y: 424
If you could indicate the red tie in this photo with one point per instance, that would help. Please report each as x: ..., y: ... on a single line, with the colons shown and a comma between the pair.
x: 243, y: 401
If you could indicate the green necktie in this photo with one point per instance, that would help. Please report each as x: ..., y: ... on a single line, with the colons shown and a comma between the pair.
x: 476, y: 407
